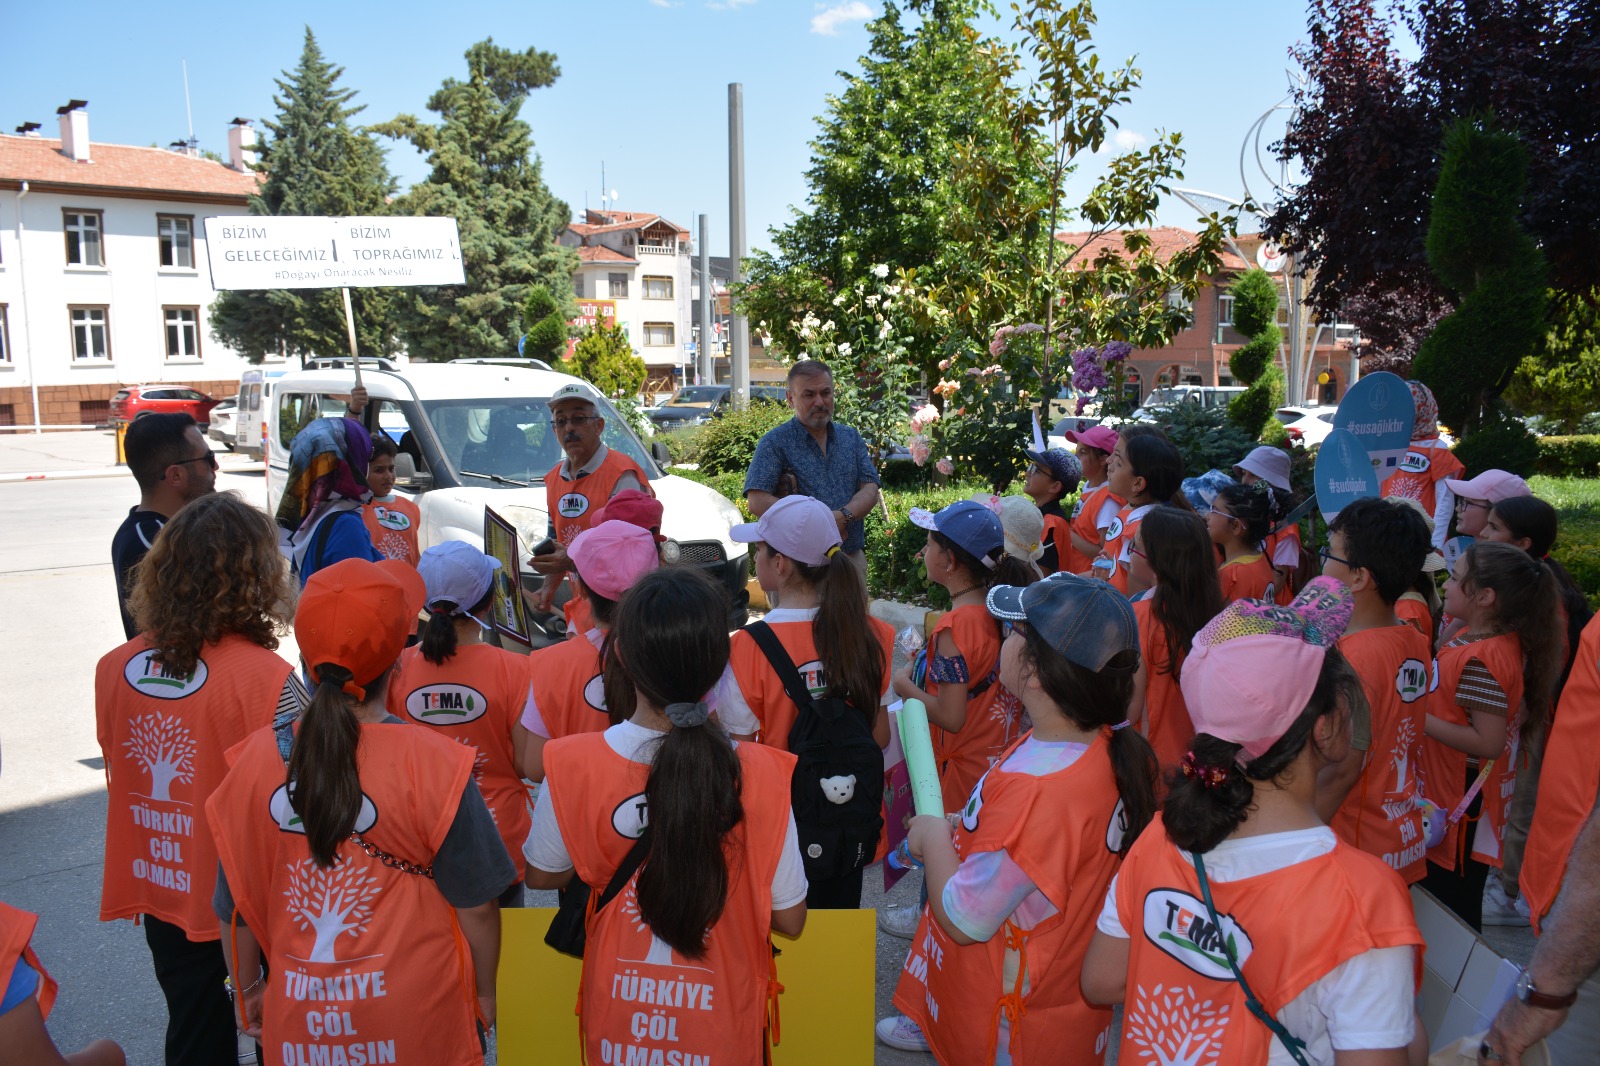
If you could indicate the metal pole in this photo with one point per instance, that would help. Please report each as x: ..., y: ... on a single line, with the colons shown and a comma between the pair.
x: 739, y: 328
x: 708, y: 372
x: 350, y: 328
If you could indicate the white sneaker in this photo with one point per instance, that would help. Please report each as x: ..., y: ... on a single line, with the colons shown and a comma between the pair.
x: 1499, y: 909
x: 900, y: 921
x: 902, y: 1033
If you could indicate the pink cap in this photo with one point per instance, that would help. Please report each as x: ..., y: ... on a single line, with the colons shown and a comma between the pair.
x: 1255, y: 665
x: 797, y: 526
x: 611, y: 556
x: 1102, y: 438
x: 1491, y: 485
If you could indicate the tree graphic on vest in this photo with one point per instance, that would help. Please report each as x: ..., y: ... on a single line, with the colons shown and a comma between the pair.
x: 165, y: 749
x: 1171, y: 1027
x: 480, y: 764
x: 1401, y: 754
x: 660, y: 953
x: 331, y: 901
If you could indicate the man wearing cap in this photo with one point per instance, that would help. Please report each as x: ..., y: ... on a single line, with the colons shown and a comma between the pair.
x: 821, y: 458
x: 1097, y: 505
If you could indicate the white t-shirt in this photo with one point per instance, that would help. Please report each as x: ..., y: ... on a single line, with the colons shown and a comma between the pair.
x: 732, y: 709
x: 1363, y: 1003
x: 545, y: 850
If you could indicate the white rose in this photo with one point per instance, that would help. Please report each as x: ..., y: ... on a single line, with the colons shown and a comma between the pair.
x: 880, y: 270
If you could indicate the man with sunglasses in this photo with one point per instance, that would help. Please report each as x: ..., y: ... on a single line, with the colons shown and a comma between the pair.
x: 173, y: 464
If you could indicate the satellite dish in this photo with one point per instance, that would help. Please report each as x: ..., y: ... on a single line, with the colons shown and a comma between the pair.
x: 614, y: 196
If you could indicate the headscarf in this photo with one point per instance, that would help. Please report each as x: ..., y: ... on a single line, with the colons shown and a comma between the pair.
x: 1426, y: 424
x: 327, y: 461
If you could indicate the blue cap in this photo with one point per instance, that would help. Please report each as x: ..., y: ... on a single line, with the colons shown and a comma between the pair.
x: 973, y: 527
x: 1086, y: 621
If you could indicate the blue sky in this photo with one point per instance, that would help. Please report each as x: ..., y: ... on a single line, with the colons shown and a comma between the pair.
x: 643, y: 87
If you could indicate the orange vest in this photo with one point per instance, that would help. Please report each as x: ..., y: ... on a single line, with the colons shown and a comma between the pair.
x: 1249, y: 577
x: 577, y: 613
x: 393, y: 527
x: 965, y: 756
x: 366, y: 961
x: 16, y: 930
x: 572, y: 503
x: 1380, y: 815
x: 568, y: 687
x: 1183, y: 999
x: 1284, y: 589
x: 1083, y: 517
x: 1119, y: 542
x: 1058, y: 531
x: 164, y: 738
x: 1569, y: 781
x: 474, y: 699
x: 1420, y: 473
x: 1166, y: 717
x: 762, y: 690
x: 1412, y: 609
x: 957, y: 993
x: 639, y: 1000
x: 1444, y: 769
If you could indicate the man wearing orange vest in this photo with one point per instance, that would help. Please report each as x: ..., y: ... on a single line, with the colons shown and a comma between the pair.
x: 587, y: 476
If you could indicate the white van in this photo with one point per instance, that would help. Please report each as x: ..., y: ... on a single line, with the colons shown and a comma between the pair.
x: 479, y: 435
x: 255, y: 400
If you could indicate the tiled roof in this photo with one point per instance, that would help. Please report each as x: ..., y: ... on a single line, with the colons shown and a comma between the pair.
x: 600, y: 254
x: 121, y: 169
x: 1165, y: 241
x: 617, y: 221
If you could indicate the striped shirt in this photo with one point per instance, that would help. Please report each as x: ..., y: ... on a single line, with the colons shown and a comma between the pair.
x: 1477, y: 690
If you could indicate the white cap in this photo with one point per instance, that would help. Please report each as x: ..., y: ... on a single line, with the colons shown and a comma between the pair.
x: 456, y: 572
x: 572, y: 390
x: 797, y: 526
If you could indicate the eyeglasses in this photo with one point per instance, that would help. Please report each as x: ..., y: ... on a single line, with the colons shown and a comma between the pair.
x: 575, y: 420
x: 1324, y: 555
x: 208, y: 457
x: 1009, y: 627
x: 1221, y: 514
x: 1462, y: 503
x: 1134, y: 550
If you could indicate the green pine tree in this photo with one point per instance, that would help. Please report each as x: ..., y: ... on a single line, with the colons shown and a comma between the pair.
x: 544, y: 326
x: 315, y: 162
x: 604, y: 358
x: 487, y: 178
x: 1255, y: 314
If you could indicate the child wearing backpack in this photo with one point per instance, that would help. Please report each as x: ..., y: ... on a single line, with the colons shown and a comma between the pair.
x: 1146, y: 470
x: 1014, y: 889
x: 1238, y: 522
x: 823, y: 650
x: 1375, y: 549
x: 1052, y: 475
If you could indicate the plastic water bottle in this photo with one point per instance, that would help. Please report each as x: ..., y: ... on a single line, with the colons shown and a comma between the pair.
x: 900, y: 858
x: 1103, y: 566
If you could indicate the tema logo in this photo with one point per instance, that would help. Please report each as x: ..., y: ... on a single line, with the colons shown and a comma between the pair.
x: 1117, y: 828
x: 1415, y: 463
x: 1411, y: 681
x: 631, y: 816
x: 152, y: 679
x: 388, y: 519
x: 594, y: 693
x: 1114, y: 530
x: 572, y: 505
x: 1179, y: 925
x: 289, y: 822
x: 445, y: 704
x: 969, y: 813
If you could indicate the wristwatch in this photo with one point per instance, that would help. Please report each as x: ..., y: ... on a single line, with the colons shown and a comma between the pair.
x: 848, y: 517
x: 1535, y: 998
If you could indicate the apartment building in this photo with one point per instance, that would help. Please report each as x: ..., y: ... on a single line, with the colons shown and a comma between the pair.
x: 633, y: 267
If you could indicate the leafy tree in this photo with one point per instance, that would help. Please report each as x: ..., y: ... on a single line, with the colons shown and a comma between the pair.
x: 604, y: 358
x: 315, y: 163
x: 485, y: 177
x: 1255, y: 314
x: 544, y: 326
x: 1562, y: 381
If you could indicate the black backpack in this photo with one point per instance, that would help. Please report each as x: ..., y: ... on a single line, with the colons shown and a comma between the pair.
x: 838, y: 821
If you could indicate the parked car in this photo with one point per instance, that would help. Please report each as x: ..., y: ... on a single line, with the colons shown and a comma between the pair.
x: 1207, y: 397
x: 136, y: 401
x: 224, y: 423
x: 695, y: 405
x: 1308, y: 424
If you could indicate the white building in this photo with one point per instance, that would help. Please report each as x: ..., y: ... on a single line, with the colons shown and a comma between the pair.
x: 103, y: 276
x: 634, y: 266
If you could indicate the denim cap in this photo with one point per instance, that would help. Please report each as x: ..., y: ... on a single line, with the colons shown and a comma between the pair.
x: 1062, y: 464
x: 1087, y: 621
x: 972, y: 526
x: 456, y: 573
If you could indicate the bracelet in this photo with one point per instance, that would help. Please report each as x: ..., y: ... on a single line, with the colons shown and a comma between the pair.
x: 244, y: 991
x: 848, y: 517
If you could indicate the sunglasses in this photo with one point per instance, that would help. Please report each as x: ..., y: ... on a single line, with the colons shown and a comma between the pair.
x: 208, y: 457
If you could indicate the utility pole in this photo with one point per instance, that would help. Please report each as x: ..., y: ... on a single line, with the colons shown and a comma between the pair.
x: 738, y: 328
x: 708, y: 373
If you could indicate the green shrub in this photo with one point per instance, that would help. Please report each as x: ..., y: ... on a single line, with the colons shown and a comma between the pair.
x: 1501, y: 444
x: 1208, y: 440
x: 729, y: 443
x: 893, y: 570
x: 1569, y: 456
x: 683, y: 444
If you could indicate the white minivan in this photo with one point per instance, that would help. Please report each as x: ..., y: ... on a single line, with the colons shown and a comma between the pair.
x: 255, y: 403
x: 477, y: 435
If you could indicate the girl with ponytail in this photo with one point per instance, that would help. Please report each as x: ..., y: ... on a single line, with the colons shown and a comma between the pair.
x: 1014, y: 889
x: 460, y: 688
x: 1146, y: 470
x: 343, y: 804
x: 1196, y: 939
x: 704, y: 820
x: 1238, y: 522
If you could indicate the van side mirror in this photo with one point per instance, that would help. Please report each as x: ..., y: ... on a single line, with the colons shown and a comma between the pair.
x: 406, y: 475
x: 659, y: 452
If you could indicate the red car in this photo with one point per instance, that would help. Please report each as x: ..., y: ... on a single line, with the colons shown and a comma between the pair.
x: 136, y: 401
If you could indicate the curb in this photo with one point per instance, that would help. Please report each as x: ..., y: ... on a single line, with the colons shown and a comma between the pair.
x: 11, y: 477
x: 901, y: 615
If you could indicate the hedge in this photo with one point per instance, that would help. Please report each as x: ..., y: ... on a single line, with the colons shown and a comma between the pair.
x: 1569, y: 456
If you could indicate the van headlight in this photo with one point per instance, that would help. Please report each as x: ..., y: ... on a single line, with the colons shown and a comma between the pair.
x: 531, y: 523
x: 670, y: 552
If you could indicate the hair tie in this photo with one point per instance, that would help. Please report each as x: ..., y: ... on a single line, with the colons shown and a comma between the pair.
x: 831, y: 552
x: 1210, y: 777
x: 1120, y: 725
x: 688, y: 715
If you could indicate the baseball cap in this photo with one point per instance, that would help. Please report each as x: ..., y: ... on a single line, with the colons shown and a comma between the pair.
x: 612, y: 555
x: 800, y: 527
x: 1062, y: 464
x: 1255, y: 665
x: 972, y: 526
x: 634, y: 507
x: 358, y: 614
x: 1022, y: 521
x: 572, y: 390
x: 1491, y: 485
x: 456, y: 572
x: 1268, y: 463
x: 1433, y: 562
x: 1086, y: 621
x: 1100, y: 438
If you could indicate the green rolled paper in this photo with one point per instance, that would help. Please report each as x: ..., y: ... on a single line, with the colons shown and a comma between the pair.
x: 917, y: 744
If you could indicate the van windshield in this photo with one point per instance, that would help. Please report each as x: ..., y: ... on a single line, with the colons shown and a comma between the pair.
x: 1168, y: 397
x: 697, y: 396
x: 513, y: 438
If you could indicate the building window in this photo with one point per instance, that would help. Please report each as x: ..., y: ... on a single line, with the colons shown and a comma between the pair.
x: 619, y: 286
x: 83, y: 238
x: 657, y: 334
x: 577, y: 285
x: 1224, y: 310
x: 90, y: 338
x: 183, y: 332
x: 657, y: 288
x: 5, y: 337
x: 176, y: 235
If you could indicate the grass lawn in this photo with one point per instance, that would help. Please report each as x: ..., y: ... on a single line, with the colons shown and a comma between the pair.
x: 1577, y: 504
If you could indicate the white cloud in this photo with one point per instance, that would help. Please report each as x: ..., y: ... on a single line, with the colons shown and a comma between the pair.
x: 1128, y: 140
x: 728, y: 5
x: 827, y: 20
x: 666, y: 3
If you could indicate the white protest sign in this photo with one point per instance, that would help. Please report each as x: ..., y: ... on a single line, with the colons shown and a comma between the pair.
x: 309, y: 252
